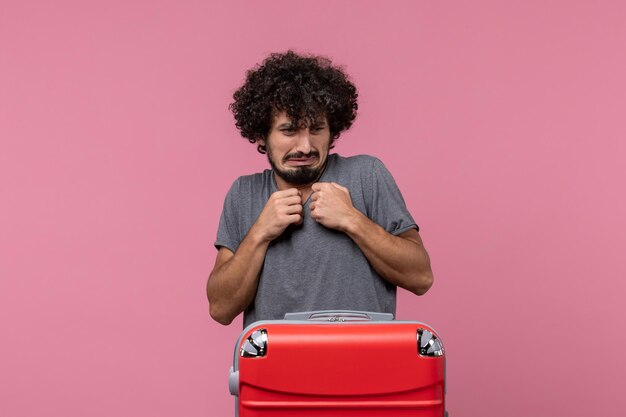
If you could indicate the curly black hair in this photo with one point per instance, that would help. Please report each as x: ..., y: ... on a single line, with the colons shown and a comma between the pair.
x: 305, y: 87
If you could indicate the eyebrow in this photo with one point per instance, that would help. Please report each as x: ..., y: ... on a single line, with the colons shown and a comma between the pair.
x: 289, y: 125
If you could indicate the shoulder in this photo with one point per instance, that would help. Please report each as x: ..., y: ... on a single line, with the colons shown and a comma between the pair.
x: 370, y: 171
x: 366, y: 167
x: 356, y: 162
x: 249, y: 183
x: 359, y: 173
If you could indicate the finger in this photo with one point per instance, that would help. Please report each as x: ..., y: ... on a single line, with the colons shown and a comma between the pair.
x: 294, y: 219
x: 293, y: 209
x: 341, y: 187
x: 312, y: 206
x: 315, y: 196
x: 290, y: 192
x: 319, y: 186
x: 290, y: 201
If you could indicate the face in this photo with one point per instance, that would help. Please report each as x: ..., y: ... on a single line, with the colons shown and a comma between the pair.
x: 297, y: 154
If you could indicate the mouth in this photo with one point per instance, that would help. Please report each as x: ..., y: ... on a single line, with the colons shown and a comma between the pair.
x: 301, y: 160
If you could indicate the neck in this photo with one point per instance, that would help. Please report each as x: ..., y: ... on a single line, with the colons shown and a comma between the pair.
x: 281, y: 184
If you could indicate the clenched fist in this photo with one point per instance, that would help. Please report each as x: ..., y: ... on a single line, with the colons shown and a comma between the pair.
x: 282, y: 209
x: 331, y: 205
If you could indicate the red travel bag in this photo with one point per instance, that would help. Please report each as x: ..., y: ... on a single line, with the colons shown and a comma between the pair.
x: 338, y: 363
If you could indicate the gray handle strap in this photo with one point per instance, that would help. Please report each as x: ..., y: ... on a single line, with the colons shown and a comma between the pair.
x: 339, y: 316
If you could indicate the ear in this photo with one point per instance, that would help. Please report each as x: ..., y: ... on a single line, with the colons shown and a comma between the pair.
x: 260, y: 146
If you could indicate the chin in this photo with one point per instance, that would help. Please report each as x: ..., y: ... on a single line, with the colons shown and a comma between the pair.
x: 300, y: 176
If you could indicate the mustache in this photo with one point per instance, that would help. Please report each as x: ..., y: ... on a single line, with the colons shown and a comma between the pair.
x: 301, y: 155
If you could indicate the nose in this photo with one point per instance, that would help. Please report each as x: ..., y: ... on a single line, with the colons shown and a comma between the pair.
x: 303, y: 143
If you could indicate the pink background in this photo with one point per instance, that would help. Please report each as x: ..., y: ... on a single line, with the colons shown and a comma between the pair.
x: 502, y: 121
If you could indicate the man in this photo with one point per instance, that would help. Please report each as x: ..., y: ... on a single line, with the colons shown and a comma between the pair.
x: 318, y: 231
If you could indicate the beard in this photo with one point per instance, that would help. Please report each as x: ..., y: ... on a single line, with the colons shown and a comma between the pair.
x: 298, y: 175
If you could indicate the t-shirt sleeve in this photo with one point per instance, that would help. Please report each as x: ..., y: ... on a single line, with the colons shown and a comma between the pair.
x: 228, y: 234
x: 388, y: 207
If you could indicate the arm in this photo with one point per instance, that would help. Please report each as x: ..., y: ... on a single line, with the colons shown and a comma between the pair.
x: 401, y: 260
x: 233, y: 282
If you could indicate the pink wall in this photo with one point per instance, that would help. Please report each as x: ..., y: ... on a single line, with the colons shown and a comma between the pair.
x: 503, y: 123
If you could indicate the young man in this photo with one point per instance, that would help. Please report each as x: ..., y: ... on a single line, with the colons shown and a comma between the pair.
x: 318, y: 231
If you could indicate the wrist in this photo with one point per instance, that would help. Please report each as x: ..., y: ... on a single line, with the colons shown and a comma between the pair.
x: 354, y: 223
x: 258, y: 236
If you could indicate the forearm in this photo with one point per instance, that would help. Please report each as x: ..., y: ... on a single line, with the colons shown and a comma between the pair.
x: 402, y: 261
x: 232, y: 285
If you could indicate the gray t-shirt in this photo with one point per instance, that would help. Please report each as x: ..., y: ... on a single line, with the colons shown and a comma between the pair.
x: 311, y: 267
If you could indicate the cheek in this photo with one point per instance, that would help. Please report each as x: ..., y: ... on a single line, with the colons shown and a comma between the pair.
x: 278, y: 149
x: 322, y: 143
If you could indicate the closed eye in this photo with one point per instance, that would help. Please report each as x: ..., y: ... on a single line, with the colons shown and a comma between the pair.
x: 288, y: 131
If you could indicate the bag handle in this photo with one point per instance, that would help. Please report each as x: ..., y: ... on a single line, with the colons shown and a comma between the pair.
x: 339, y: 316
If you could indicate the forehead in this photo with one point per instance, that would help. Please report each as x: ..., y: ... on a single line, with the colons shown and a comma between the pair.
x: 281, y: 118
